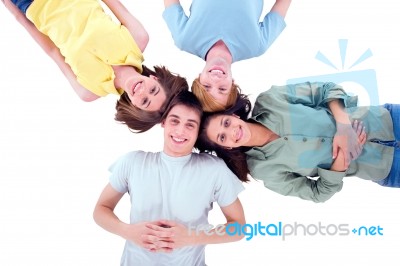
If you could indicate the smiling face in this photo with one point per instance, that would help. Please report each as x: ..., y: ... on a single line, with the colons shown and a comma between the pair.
x: 216, y: 78
x: 228, y: 131
x: 145, y: 93
x: 181, y: 128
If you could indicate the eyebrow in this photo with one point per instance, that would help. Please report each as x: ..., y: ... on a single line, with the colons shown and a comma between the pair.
x: 223, y: 92
x: 193, y: 121
x: 189, y: 120
x: 157, y: 91
x: 218, y: 135
x: 176, y: 116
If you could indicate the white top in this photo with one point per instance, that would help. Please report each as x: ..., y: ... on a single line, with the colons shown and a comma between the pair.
x: 182, y: 189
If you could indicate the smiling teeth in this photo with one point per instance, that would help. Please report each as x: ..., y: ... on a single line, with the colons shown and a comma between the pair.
x: 137, y: 85
x: 178, y: 139
x: 217, y: 71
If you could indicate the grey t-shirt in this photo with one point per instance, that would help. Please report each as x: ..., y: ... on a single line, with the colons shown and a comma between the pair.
x: 182, y: 189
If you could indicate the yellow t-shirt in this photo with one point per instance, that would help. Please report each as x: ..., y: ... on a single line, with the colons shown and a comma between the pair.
x: 88, y: 39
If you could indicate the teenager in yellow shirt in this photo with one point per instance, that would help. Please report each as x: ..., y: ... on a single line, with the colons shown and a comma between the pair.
x: 99, y: 56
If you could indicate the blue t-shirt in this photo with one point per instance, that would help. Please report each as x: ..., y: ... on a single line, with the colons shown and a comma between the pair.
x: 235, y: 22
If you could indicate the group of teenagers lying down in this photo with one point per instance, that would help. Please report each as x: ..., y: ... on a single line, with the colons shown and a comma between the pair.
x: 300, y: 139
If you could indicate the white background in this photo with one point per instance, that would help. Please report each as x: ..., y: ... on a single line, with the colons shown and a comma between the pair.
x: 55, y: 150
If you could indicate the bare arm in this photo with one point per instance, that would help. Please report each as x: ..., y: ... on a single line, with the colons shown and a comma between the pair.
x: 105, y: 217
x: 51, y: 50
x: 167, y: 3
x: 201, y: 235
x: 133, y: 25
x: 345, y: 138
x: 339, y: 164
x: 281, y: 7
x: 104, y: 211
x: 338, y: 112
x: 234, y: 214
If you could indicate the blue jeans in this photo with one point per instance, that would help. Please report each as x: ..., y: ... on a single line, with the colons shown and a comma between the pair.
x: 393, y: 179
x: 22, y: 4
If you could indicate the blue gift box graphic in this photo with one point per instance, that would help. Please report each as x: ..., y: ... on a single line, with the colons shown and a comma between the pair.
x: 364, y: 79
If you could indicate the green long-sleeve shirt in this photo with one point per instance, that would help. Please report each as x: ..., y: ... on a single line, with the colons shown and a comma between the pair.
x: 299, y: 114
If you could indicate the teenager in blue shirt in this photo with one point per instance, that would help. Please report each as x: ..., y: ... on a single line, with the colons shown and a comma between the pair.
x: 221, y: 33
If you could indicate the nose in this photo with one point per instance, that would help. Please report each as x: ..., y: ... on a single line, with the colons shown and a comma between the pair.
x: 235, y: 133
x: 141, y: 90
x: 179, y: 130
x: 137, y: 99
x: 213, y: 92
x: 215, y: 76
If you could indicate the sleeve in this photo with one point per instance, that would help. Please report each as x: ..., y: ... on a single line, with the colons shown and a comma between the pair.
x: 94, y: 75
x: 176, y: 20
x: 289, y: 183
x: 93, y: 68
x: 227, y: 186
x: 120, y: 172
x: 271, y: 27
x: 315, y: 95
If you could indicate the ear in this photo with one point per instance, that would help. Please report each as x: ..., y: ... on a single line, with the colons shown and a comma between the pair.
x: 153, y: 77
x: 163, y: 123
x: 235, y: 115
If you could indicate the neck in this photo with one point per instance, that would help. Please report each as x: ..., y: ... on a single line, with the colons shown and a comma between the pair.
x: 219, y: 50
x: 122, y: 73
x: 175, y: 154
x: 260, y: 135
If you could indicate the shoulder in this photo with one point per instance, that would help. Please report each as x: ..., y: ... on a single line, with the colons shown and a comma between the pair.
x: 173, y: 10
x: 272, y: 94
x: 205, y: 158
x: 134, y: 160
x: 211, y: 165
x: 136, y: 156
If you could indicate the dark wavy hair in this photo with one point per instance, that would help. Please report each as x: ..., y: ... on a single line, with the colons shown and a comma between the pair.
x: 234, y: 158
x: 139, y: 120
x: 185, y: 98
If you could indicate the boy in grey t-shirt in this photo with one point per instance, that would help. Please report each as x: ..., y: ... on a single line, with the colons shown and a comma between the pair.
x: 171, y: 193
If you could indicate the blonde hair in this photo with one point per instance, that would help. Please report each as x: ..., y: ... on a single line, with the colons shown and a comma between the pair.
x: 208, y: 103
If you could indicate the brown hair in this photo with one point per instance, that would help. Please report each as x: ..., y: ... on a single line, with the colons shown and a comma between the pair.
x: 234, y: 158
x: 208, y: 103
x: 187, y: 99
x: 139, y: 120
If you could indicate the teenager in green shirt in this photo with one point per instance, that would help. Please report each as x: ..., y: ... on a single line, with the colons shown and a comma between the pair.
x: 300, y: 140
